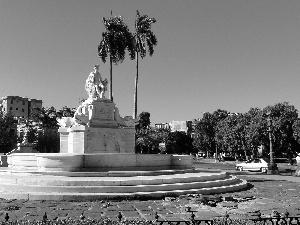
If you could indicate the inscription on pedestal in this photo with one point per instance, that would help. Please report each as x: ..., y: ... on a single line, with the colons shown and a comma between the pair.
x: 103, y: 111
x: 101, y: 114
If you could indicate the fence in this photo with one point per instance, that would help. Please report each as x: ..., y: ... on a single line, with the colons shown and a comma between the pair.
x: 226, y: 220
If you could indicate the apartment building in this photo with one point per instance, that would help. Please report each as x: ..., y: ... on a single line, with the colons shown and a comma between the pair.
x: 19, y: 106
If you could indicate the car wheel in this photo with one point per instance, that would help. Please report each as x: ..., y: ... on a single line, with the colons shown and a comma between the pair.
x: 264, y: 170
x: 240, y: 168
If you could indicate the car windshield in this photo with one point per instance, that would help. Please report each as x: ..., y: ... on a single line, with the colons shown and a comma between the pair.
x: 258, y: 160
x: 250, y: 161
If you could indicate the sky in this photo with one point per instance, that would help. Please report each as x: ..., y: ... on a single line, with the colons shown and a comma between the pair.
x: 211, y: 54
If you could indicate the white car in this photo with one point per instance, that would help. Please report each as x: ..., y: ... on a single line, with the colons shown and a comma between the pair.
x: 258, y: 164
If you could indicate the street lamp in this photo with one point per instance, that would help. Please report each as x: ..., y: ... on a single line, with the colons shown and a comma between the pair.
x: 272, y: 167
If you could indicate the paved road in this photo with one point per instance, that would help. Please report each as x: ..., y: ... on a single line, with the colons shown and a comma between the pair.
x: 229, y: 167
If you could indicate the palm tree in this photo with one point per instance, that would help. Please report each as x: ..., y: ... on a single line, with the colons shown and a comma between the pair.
x: 142, y: 36
x: 115, y: 40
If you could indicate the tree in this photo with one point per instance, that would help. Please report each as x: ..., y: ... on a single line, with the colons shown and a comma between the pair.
x: 232, y: 132
x: 142, y: 37
x: 8, y: 136
x: 46, y: 117
x: 44, y: 131
x: 115, y: 40
x: 48, y: 141
x: 206, y: 139
x: 179, y: 142
x: 66, y: 112
x: 149, y: 138
x: 283, y: 117
x: 144, y: 120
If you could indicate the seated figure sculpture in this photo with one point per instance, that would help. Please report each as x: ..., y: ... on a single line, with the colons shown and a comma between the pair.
x: 95, y: 88
x: 94, y: 85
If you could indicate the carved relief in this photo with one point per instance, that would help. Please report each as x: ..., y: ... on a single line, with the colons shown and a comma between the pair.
x: 102, y: 142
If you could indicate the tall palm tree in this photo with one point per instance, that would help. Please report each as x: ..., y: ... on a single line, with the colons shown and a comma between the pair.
x: 115, y: 40
x: 142, y: 37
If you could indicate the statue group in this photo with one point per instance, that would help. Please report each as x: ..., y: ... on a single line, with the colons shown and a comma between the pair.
x: 94, y: 85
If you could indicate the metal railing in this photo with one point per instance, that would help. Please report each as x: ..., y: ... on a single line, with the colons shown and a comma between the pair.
x: 274, y: 219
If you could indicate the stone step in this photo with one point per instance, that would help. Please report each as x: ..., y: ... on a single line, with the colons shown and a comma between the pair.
x: 171, y: 185
x: 111, y: 173
x: 107, y: 196
x: 48, y: 180
x: 151, y: 184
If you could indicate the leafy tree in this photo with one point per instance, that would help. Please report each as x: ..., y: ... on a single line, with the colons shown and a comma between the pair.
x: 8, y: 136
x: 149, y: 138
x: 46, y: 117
x: 283, y: 117
x: 179, y: 142
x: 48, y: 141
x: 142, y: 37
x: 232, y: 133
x: 115, y: 40
x: 44, y: 130
x: 144, y: 120
x: 255, y: 127
x: 66, y: 112
x: 206, y: 139
x: 30, y: 127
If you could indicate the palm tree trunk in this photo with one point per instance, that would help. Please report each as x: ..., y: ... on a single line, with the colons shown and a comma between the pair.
x: 136, y: 86
x: 110, y: 89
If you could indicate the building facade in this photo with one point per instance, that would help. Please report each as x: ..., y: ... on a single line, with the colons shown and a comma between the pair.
x: 19, y: 106
x: 185, y: 126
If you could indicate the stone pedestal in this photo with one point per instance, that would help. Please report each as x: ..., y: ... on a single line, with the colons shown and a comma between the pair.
x: 101, y: 114
x: 99, y: 129
x: 83, y: 140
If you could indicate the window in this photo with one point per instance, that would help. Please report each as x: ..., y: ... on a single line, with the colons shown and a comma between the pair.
x: 11, y: 101
x: 23, y: 110
x: 10, y: 108
x: 23, y: 103
x: 17, y: 108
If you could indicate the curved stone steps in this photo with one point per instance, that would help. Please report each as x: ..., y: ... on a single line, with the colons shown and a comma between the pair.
x: 38, y: 186
x: 71, y: 188
x: 107, y: 196
x: 111, y: 173
x: 46, y: 180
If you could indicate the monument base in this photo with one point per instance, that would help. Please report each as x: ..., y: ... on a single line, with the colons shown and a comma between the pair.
x: 91, y: 140
x: 98, y: 162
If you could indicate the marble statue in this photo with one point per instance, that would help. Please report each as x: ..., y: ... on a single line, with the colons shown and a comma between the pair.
x: 97, y: 111
x: 94, y: 85
x: 81, y: 116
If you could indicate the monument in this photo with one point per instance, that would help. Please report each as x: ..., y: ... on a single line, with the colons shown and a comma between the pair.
x: 98, y: 138
x: 97, y: 161
x: 97, y: 126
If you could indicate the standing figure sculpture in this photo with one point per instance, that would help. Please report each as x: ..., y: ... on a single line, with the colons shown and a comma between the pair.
x: 95, y: 86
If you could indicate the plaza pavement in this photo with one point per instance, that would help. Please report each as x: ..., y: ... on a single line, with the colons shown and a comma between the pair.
x: 265, y: 194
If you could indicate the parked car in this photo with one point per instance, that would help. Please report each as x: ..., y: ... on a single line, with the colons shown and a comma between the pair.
x: 258, y: 164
